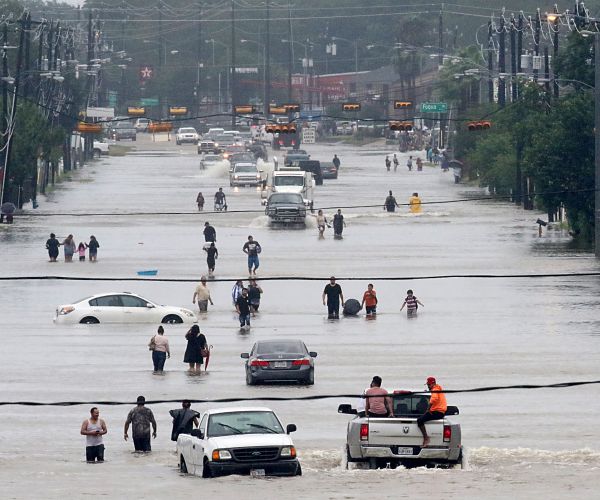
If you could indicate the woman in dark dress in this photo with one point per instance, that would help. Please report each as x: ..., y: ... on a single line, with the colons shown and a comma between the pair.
x: 196, y: 341
x: 52, y: 245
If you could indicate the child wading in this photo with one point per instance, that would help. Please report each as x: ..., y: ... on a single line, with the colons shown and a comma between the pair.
x: 412, y: 304
x: 81, y: 251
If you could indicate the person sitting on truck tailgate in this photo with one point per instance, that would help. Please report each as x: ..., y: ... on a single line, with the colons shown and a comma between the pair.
x: 378, y: 403
x: 437, y: 408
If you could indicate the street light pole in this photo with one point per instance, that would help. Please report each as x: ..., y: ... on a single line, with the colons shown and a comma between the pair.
x: 233, y: 75
x: 597, y: 144
x: 267, y: 61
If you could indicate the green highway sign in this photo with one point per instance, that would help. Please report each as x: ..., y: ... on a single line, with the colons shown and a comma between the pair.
x: 149, y: 101
x: 434, y: 107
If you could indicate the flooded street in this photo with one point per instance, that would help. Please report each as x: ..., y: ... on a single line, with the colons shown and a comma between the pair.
x: 471, y: 332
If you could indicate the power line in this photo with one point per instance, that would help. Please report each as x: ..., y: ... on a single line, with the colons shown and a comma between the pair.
x: 316, y: 397
x: 309, y: 278
x: 335, y: 207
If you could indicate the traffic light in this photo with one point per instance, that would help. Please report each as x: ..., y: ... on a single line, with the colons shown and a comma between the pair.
x: 402, y: 126
x: 402, y: 104
x: 178, y: 110
x: 244, y: 109
x: 482, y: 125
x: 89, y: 128
x: 278, y: 110
x: 351, y: 106
x: 136, y: 111
x: 281, y: 128
x: 292, y: 108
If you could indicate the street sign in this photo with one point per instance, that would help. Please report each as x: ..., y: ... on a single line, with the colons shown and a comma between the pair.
x: 309, y: 136
x: 434, y: 107
x: 94, y: 112
x: 149, y: 101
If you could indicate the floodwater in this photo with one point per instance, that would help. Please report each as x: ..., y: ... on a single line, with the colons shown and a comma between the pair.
x: 470, y: 333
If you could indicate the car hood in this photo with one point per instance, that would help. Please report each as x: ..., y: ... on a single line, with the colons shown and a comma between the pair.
x: 251, y: 440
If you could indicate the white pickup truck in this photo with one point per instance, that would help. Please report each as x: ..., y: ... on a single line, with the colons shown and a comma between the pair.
x: 239, y: 441
x: 392, y: 441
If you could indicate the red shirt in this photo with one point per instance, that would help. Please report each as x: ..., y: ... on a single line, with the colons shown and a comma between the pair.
x: 370, y: 298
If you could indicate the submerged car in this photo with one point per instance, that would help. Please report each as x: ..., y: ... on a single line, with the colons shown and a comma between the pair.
x: 121, y: 307
x: 238, y: 441
x: 210, y: 160
x: 279, y: 360
x: 328, y: 170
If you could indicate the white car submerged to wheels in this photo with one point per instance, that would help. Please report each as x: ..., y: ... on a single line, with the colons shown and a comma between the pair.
x: 121, y: 307
x: 238, y: 441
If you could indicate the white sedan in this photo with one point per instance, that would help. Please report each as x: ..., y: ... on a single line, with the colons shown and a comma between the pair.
x: 186, y: 134
x: 239, y: 441
x: 121, y: 307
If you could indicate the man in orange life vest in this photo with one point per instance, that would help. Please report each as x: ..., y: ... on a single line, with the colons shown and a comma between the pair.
x: 437, y: 408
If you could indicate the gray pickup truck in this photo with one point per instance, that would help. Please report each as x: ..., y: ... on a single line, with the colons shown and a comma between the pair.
x: 286, y: 208
x: 392, y: 441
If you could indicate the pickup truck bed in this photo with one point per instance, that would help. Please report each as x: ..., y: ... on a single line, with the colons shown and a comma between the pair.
x: 397, y: 440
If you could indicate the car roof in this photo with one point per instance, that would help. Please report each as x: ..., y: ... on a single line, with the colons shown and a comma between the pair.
x: 213, y: 411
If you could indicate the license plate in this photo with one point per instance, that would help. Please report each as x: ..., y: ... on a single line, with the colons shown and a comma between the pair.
x: 257, y: 472
x: 404, y: 450
x: 279, y: 364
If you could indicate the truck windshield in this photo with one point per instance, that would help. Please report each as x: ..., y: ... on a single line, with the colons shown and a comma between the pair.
x: 291, y: 180
x: 285, y: 198
x: 245, y: 169
x: 243, y: 422
x: 408, y: 405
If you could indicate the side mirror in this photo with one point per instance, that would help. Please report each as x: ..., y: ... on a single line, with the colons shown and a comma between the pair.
x: 244, y: 355
x: 452, y: 410
x: 290, y: 428
x: 312, y: 354
x: 197, y: 433
x: 347, y: 409
x: 149, y: 306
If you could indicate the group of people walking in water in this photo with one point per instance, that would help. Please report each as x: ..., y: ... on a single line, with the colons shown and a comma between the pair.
x: 197, y: 351
x: 414, y: 203
x: 70, y: 249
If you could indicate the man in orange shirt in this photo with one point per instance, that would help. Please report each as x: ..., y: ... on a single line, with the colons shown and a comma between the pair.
x: 437, y: 408
x: 370, y: 299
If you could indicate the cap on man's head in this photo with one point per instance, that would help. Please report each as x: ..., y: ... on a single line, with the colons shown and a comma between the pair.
x: 141, y: 399
x: 206, y: 223
x: 431, y: 380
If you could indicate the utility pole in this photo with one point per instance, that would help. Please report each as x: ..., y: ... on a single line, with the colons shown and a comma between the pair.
x: 27, y: 63
x: 555, y: 27
x: 267, y: 72
x: 513, y: 60
x: 536, y: 44
x: 199, y: 59
x: 13, y: 110
x: 519, y: 42
x: 90, y: 84
x: 441, y: 36
x: 502, y: 65
x: 233, y: 75
x: 161, y: 42
x: 490, y: 62
x: 4, y: 123
x: 547, y: 72
x: 597, y: 143
x: 290, y: 52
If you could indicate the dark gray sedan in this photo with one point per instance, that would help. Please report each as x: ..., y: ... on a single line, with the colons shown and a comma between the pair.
x: 279, y: 361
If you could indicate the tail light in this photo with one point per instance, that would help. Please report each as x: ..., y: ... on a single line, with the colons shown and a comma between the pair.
x: 447, y: 433
x: 293, y: 142
x: 364, y: 432
x: 300, y: 362
x: 280, y: 142
x: 259, y: 362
